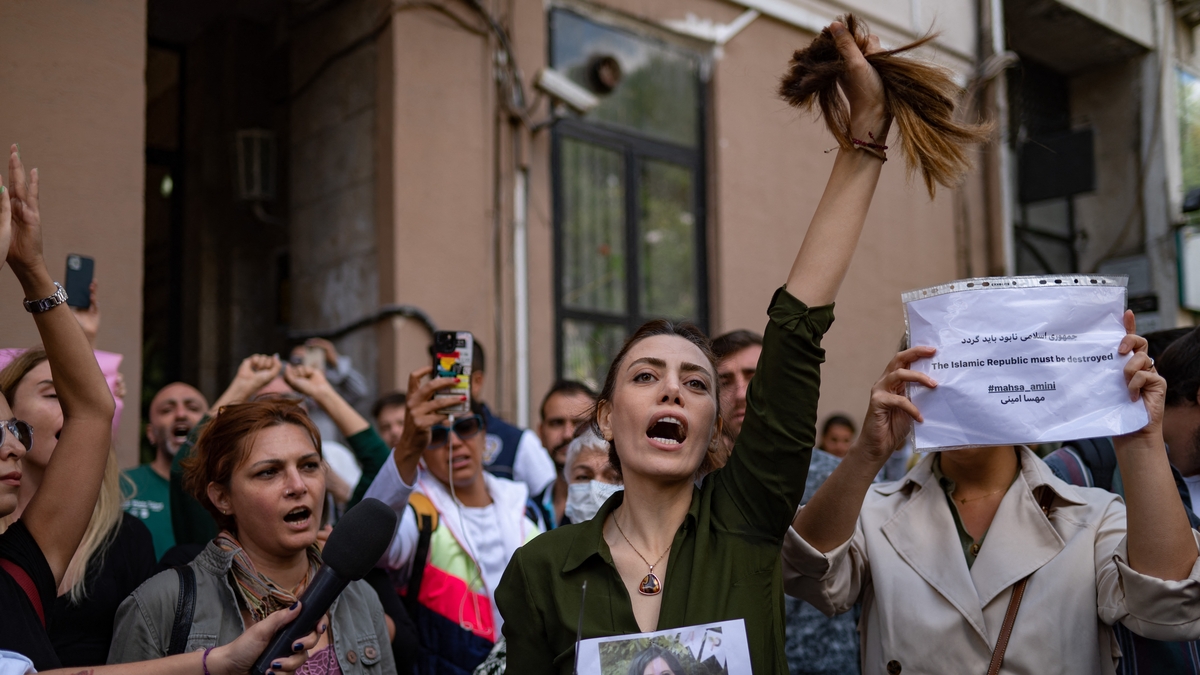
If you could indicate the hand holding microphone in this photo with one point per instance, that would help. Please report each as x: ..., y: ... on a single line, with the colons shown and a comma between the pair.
x: 356, y: 544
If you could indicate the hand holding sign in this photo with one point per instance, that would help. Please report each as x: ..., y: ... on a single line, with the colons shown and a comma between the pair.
x: 1142, y: 380
x: 890, y: 414
x: 1024, y: 360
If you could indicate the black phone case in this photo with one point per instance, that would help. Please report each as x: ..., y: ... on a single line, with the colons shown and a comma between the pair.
x: 79, y: 280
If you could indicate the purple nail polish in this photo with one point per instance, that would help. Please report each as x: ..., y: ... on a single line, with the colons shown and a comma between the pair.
x: 298, y: 646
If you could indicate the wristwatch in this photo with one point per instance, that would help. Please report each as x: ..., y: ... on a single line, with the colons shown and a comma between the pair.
x: 46, y: 304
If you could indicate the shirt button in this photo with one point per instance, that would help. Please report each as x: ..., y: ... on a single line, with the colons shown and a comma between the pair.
x: 370, y: 652
x: 893, y: 667
x: 975, y: 549
x: 352, y: 657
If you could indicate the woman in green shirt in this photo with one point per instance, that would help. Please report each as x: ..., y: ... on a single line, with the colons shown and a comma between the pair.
x: 665, y: 553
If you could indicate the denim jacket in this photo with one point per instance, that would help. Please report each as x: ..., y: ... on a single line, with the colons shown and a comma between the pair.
x: 144, y: 620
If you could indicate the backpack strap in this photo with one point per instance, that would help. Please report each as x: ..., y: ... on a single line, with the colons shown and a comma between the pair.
x: 1045, y: 500
x: 427, y: 522
x: 1101, y: 458
x: 185, y: 609
x: 23, y: 580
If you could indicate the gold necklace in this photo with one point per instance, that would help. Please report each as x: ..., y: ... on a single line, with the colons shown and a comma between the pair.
x: 964, y: 500
x: 651, y: 584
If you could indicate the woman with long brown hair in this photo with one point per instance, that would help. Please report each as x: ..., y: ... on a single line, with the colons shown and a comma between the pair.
x: 664, y: 553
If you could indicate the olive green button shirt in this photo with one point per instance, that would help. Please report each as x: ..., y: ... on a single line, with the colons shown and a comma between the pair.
x: 725, y: 558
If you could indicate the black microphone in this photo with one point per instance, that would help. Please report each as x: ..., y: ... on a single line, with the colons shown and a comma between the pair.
x: 357, y: 542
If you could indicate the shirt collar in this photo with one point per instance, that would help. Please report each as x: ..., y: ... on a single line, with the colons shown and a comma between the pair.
x: 590, y: 540
x: 1034, y: 470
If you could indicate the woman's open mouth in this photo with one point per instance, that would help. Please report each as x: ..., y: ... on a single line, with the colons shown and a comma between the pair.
x: 667, y: 431
x: 299, y: 517
x: 460, y: 462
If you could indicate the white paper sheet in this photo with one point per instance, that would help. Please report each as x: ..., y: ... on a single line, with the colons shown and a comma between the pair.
x: 1021, y: 360
x: 721, y: 646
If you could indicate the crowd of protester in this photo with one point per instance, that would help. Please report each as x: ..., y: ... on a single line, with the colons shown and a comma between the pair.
x: 693, y: 487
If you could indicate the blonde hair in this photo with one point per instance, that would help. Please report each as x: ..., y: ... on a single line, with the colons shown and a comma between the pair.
x: 106, y: 514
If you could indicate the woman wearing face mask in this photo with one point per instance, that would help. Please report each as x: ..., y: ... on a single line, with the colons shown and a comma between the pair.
x: 37, y: 549
x: 591, y: 478
x: 257, y: 469
x: 450, y: 572
x: 663, y: 553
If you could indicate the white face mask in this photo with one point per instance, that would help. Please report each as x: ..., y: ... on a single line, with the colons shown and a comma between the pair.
x: 585, y: 499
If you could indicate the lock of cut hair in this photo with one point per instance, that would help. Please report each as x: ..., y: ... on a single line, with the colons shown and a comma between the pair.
x: 920, y: 96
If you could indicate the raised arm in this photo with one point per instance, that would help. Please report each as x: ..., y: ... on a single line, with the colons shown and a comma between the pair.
x: 312, y: 383
x: 829, y: 244
x: 253, y: 373
x: 1160, y: 540
x: 58, y: 514
x: 829, y: 518
x: 421, y: 415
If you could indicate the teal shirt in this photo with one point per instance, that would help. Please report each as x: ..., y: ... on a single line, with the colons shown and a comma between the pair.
x: 151, y: 504
x: 725, y: 557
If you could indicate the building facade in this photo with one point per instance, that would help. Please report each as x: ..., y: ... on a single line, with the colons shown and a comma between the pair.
x: 251, y: 173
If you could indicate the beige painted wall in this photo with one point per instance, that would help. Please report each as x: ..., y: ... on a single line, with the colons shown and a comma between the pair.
x: 766, y: 167
x: 74, y: 97
x: 772, y: 170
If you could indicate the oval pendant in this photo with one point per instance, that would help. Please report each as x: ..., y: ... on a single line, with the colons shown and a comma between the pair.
x: 650, y: 585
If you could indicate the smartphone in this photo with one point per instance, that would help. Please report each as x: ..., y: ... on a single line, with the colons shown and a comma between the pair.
x: 79, y: 280
x: 452, y: 352
x: 314, y: 357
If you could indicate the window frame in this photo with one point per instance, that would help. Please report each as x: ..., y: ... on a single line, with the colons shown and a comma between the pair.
x: 635, y: 149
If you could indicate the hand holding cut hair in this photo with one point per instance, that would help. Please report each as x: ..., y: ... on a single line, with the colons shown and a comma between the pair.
x: 890, y: 414
x: 862, y: 86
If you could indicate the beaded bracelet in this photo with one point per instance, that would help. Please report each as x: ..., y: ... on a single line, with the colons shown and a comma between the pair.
x: 204, y: 661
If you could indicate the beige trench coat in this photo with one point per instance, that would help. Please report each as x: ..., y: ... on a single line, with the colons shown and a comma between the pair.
x: 926, y: 611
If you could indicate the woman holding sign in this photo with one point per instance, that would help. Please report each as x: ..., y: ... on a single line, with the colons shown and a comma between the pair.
x: 943, y: 557
x: 664, y: 553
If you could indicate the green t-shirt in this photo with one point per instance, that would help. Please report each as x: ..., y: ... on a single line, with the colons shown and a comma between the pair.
x: 151, y: 504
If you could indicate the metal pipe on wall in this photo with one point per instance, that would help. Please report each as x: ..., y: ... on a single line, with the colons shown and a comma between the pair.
x: 1004, y: 157
x: 521, y: 291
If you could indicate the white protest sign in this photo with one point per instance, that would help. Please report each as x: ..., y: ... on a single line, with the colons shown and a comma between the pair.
x: 719, y: 647
x: 1021, y: 360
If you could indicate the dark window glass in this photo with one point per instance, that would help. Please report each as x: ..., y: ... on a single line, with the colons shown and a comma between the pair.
x: 658, y: 90
x: 628, y: 194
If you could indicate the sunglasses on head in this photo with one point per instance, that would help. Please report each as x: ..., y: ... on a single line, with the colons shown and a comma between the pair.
x: 20, y: 430
x: 465, y: 428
